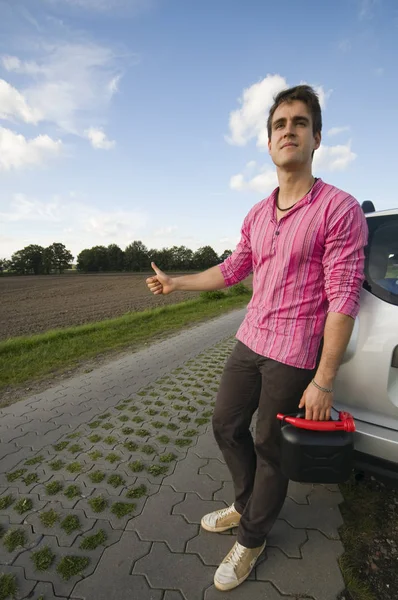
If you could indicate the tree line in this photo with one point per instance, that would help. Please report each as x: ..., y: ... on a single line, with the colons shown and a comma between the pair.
x: 37, y: 260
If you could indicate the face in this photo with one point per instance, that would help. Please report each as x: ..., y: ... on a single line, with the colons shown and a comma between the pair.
x: 292, y: 140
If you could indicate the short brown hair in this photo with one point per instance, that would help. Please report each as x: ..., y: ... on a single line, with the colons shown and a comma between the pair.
x: 305, y: 94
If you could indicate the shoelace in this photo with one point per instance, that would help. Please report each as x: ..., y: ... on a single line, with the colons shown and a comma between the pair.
x: 236, y: 554
x: 225, y: 512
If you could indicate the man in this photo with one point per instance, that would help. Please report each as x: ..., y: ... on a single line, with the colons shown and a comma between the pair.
x: 304, y: 245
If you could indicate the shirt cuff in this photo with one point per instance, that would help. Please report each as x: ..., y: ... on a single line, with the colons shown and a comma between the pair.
x: 345, y: 306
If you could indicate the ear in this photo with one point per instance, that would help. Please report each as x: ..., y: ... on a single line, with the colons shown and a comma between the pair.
x: 317, y: 139
x: 269, y: 146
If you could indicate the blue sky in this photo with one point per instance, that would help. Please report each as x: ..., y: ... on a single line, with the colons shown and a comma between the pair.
x: 145, y: 119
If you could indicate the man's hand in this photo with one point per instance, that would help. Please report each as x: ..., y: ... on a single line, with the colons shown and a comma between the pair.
x: 161, y: 283
x: 318, y: 405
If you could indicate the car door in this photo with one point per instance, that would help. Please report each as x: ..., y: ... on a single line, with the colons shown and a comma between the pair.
x: 367, y: 383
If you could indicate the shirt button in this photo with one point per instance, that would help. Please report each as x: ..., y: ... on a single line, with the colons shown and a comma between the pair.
x: 276, y: 232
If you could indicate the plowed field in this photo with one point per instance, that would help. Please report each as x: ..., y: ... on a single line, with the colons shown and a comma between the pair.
x: 34, y: 304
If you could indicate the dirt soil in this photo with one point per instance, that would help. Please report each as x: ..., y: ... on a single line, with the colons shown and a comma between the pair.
x: 34, y: 304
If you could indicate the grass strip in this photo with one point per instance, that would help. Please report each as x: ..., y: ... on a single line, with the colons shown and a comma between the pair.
x: 27, y: 358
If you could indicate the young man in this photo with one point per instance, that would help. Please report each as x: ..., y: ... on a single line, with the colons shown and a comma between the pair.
x: 304, y: 245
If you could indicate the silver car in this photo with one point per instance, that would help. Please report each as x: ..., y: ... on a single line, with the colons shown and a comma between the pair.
x: 367, y: 382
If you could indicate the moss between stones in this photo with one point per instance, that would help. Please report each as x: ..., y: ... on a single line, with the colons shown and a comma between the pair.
x: 16, y: 475
x: 142, y: 432
x: 70, y: 566
x: 8, y: 586
x: 131, y: 446
x: 94, y: 438
x: 133, y: 408
x: 74, y: 467
x: 137, y: 492
x: 112, y: 457
x: 190, y: 433
x: 184, y: 419
x: 158, y: 424
x: 54, y: 487
x: 167, y: 458
x: 14, y: 538
x: 96, y: 476
x: 107, y: 426
x: 98, y: 504
x: 164, y: 439
x: 23, y: 505
x: 75, y: 448
x: 57, y: 465
x: 201, y: 420
x: 127, y: 430
x: 61, y: 446
x: 202, y: 402
x: 183, y: 442
x: 31, y: 478
x: 34, y: 461
x: 152, y: 412
x: 120, y: 407
x: 191, y: 409
x: 95, y: 455
x: 121, y: 509
x: 147, y: 402
x: 148, y: 449
x: 116, y: 480
x: 141, y: 393
x: 157, y: 470
x: 93, y: 541
x: 208, y: 413
x: 105, y: 416
x: 206, y: 394
x: 43, y: 559
x: 72, y: 491
x: 137, y: 466
x: 73, y: 436
x: 94, y: 424
x: 178, y: 407
x: 172, y: 426
x: 164, y: 413
x: 70, y: 524
x: 123, y: 418
x: 138, y: 419
x: 159, y: 403
x: 110, y: 439
x: 49, y: 518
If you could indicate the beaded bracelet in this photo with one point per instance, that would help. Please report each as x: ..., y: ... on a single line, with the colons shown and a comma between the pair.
x: 319, y: 387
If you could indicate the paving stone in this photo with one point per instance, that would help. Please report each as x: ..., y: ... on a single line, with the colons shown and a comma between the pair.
x: 193, y: 507
x: 25, y: 587
x: 14, y: 516
x: 165, y: 569
x: 7, y: 558
x: 115, y: 521
x: 207, y: 446
x: 226, y: 493
x: 249, y: 589
x: 63, y: 538
x: 156, y: 523
x: 212, y: 547
x: 186, y: 478
x: 61, y: 587
x: 286, y: 538
x: 112, y: 579
x: 325, y: 517
x: 316, y: 575
x: 9, y: 462
x: 173, y: 595
x: 299, y: 492
x: 216, y: 469
x: 46, y: 590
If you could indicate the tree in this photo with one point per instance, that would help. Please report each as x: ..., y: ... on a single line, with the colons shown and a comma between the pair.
x: 115, y: 258
x: 28, y: 260
x: 136, y: 257
x: 204, y: 258
x: 62, y: 258
x: 181, y: 258
x: 93, y: 260
x: 225, y: 255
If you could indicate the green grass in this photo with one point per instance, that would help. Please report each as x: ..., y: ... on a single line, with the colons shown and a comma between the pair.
x: 137, y: 466
x: 137, y: 492
x: 116, y: 480
x: 98, y: 504
x: 37, y: 460
x: 95, y: 455
x: 6, y: 501
x: 96, y: 476
x: 127, y: 430
x: 49, y: 518
x: 157, y: 470
x: 14, y: 538
x: 23, y: 505
x: 60, y: 446
x: 113, y: 457
x: 148, y: 449
x: 57, y: 465
x: 16, y: 475
x: 131, y: 446
x: 54, y: 487
x: 121, y: 509
x: 167, y: 458
x: 30, y: 478
x: 28, y: 358
x: 92, y: 542
x: 72, y: 491
x: 94, y: 438
x: 8, y: 587
x: 70, y: 566
x: 43, y: 559
x: 74, y: 467
x: 70, y: 524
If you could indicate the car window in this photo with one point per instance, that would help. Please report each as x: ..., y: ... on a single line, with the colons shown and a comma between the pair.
x: 381, y: 266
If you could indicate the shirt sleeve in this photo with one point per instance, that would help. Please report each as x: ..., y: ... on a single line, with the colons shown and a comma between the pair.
x: 239, y: 265
x: 344, y: 258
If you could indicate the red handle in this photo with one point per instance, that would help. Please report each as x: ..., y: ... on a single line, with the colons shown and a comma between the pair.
x: 346, y: 423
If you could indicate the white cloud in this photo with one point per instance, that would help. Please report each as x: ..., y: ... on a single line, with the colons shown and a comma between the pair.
x: 250, y: 121
x: 98, y: 139
x: 334, y: 158
x: 13, y: 105
x: 17, y: 152
x: 165, y: 231
x: 344, y: 45
x: 263, y: 182
x: 337, y: 130
x: 366, y: 9
x: 75, y: 223
x: 69, y: 82
x: 104, y: 5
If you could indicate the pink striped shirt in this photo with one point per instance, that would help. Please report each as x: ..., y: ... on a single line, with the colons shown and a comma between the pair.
x: 308, y: 264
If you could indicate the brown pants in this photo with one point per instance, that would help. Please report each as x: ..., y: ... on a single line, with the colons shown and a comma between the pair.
x: 251, y: 382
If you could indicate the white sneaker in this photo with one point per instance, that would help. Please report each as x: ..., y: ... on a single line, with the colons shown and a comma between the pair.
x: 221, y: 520
x: 236, y: 566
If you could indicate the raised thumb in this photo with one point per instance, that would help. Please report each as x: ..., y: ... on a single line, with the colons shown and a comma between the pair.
x: 155, y: 268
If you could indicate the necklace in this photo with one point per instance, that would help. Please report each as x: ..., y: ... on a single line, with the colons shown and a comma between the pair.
x: 289, y: 207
